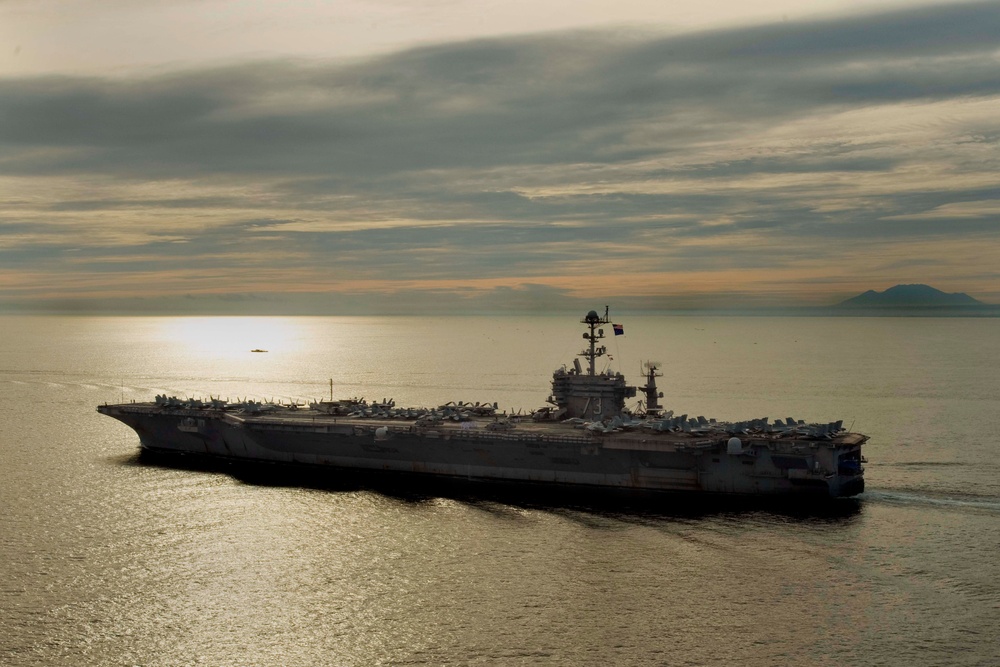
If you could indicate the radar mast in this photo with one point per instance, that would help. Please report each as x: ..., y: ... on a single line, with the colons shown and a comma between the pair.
x: 593, y: 320
x: 653, y: 406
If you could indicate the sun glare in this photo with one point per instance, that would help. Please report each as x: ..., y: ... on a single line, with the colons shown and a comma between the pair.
x: 230, y: 336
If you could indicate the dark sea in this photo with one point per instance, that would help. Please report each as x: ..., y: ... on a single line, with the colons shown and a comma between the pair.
x: 108, y: 559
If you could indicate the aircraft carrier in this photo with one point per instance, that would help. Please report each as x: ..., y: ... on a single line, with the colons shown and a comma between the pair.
x: 584, y: 438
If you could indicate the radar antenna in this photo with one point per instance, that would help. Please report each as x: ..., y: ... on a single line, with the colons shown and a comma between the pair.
x: 593, y: 320
x: 653, y: 406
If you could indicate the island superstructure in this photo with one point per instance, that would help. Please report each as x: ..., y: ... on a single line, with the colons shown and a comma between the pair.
x: 585, y: 437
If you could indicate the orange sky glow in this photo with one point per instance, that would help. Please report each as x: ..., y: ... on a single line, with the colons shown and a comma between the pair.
x: 338, y: 157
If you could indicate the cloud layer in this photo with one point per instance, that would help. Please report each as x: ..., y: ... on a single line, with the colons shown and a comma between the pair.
x: 791, y: 163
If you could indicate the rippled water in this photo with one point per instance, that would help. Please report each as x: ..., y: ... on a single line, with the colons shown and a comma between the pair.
x: 109, y: 560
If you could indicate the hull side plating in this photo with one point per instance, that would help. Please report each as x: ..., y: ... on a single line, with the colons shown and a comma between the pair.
x: 547, y: 453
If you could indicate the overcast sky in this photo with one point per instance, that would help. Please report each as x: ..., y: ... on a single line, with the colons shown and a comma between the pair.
x: 388, y: 155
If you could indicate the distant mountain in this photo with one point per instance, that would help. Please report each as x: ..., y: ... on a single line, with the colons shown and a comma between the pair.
x: 909, y: 296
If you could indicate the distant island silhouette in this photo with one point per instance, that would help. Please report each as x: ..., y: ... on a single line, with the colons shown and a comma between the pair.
x: 910, y: 296
x: 899, y: 301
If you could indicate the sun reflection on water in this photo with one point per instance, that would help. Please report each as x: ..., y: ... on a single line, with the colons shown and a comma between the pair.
x: 233, y: 336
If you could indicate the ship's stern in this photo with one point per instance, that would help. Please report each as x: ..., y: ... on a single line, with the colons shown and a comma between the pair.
x: 850, y: 475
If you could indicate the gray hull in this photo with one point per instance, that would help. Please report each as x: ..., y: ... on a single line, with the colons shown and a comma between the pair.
x: 540, y: 453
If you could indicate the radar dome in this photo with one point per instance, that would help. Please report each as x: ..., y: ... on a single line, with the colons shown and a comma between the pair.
x: 592, y: 316
x: 734, y: 446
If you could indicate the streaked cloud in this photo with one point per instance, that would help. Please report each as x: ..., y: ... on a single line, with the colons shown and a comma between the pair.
x: 793, y: 162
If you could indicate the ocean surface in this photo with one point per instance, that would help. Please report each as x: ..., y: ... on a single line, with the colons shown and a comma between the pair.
x: 106, y: 559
